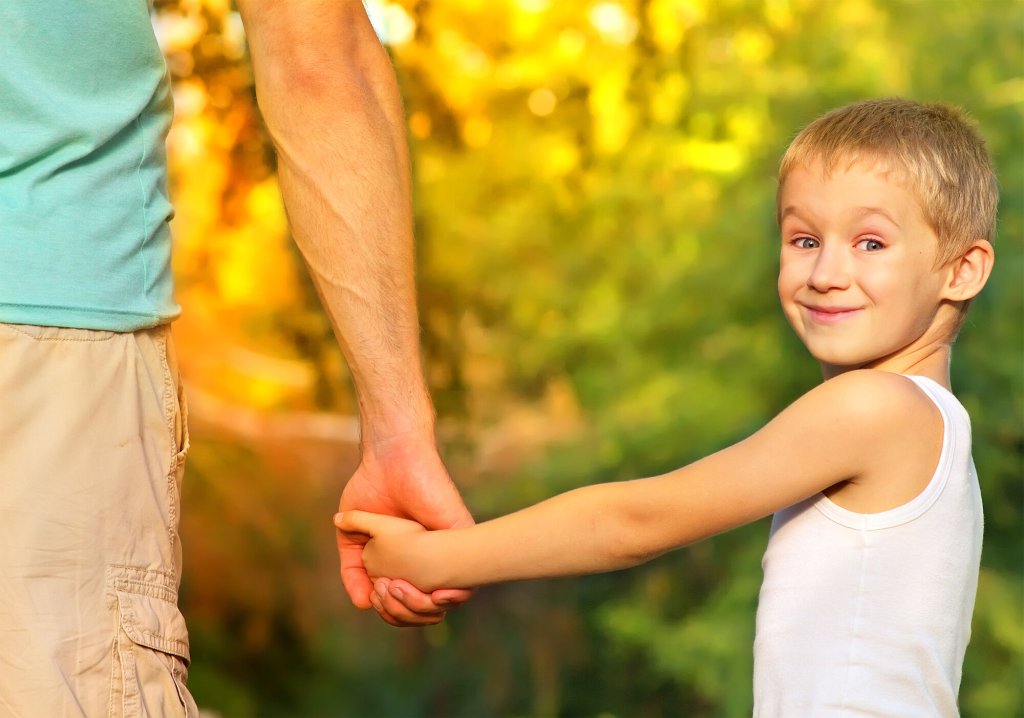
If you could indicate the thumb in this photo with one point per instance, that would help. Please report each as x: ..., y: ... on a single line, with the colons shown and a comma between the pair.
x: 441, y: 508
x: 369, y: 524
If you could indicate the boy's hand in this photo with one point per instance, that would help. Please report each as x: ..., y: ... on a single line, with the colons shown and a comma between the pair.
x: 389, y: 549
x: 403, y: 476
x: 383, y: 538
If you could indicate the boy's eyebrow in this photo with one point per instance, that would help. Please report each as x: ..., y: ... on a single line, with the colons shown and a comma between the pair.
x: 794, y: 211
x: 786, y: 211
x: 861, y: 212
x: 866, y: 211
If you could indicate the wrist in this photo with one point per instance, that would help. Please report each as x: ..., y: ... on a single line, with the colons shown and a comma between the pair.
x: 381, y: 430
x: 426, y: 561
x: 398, y: 443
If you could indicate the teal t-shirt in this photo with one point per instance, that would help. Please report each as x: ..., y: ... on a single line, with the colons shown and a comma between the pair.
x: 85, y: 106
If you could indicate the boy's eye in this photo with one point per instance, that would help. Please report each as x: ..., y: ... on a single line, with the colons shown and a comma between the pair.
x: 870, y: 245
x: 806, y: 243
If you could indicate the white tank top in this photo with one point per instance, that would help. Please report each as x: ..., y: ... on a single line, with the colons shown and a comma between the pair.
x: 870, y: 614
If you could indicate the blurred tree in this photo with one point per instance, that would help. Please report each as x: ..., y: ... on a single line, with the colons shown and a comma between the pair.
x: 595, y: 220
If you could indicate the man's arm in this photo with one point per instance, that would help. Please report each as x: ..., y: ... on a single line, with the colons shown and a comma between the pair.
x: 874, y: 429
x: 331, y: 105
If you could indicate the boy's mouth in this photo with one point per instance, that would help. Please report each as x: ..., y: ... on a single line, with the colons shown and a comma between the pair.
x: 830, y: 315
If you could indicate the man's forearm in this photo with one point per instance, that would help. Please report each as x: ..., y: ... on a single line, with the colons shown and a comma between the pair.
x: 330, y: 102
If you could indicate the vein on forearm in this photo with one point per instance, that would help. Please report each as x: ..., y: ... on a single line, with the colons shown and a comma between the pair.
x: 351, y: 218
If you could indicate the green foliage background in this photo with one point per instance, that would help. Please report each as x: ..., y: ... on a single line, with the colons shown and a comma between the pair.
x: 597, y: 292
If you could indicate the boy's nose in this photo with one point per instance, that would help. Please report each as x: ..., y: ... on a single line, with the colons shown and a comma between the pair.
x: 830, y: 271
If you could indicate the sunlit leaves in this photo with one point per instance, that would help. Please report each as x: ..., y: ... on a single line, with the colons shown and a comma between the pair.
x: 595, y: 218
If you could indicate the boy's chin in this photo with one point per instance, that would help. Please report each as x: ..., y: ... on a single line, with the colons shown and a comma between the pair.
x: 834, y: 366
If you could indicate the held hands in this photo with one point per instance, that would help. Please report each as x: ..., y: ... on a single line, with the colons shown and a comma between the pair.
x: 390, y: 546
x: 401, y: 477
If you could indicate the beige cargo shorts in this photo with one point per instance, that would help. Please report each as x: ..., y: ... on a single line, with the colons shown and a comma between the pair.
x: 92, y: 447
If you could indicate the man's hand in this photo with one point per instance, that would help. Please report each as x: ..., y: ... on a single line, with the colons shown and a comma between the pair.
x: 401, y: 476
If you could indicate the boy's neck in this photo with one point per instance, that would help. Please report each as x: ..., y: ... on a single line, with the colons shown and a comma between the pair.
x: 931, y: 362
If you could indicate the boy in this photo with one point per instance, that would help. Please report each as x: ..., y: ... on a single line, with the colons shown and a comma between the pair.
x: 886, y: 210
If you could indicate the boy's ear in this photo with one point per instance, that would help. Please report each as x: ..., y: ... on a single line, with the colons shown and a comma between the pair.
x: 969, y: 272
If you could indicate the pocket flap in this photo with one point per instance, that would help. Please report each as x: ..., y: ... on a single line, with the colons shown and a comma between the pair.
x: 154, y: 622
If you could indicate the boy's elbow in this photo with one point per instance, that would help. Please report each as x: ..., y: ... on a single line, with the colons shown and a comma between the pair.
x: 627, y: 554
x: 630, y: 540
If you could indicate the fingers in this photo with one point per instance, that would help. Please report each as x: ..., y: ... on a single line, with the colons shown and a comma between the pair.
x: 353, y: 531
x: 359, y: 522
x: 449, y: 598
x: 353, y: 575
x: 400, y: 604
x: 370, y: 524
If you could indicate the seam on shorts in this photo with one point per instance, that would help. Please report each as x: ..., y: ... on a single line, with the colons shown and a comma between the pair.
x: 142, y: 588
x: 111, y: 693
x: 170, y: 398
x: 15, y: 328
x: 134, y: 574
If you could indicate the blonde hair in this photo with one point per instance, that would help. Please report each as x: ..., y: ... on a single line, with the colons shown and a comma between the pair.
x: 934, y: 148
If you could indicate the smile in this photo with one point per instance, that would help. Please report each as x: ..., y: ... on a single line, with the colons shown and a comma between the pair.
x: 830, y: 315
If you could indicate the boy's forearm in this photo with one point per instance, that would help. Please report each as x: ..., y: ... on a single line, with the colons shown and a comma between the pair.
x: 602, y: 527
x: 588, y: 530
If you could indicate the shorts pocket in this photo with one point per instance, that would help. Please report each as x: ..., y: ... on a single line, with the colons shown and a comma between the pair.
x: 150, y: 655
x: 181, y: 435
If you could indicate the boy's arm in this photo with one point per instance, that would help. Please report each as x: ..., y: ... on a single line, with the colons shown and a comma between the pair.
x: 330, y: 102
x: 849, y: 429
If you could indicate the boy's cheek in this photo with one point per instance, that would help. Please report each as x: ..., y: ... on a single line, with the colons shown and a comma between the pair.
x: 792, y: 315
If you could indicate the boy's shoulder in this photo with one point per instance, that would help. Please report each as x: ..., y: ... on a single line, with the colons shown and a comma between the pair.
x: 891, y: 438
x: 872, y: 390
x: 874, y: 402
x: 871, y: 434
x: 859, y: 407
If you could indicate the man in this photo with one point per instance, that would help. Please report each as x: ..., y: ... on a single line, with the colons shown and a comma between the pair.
x: 92, y: 419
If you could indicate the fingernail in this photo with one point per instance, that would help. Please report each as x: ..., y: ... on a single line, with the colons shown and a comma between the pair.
x: 337, y: 519
x: 444, y: 602
x: 397, y: 593
x: 381, y: 589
